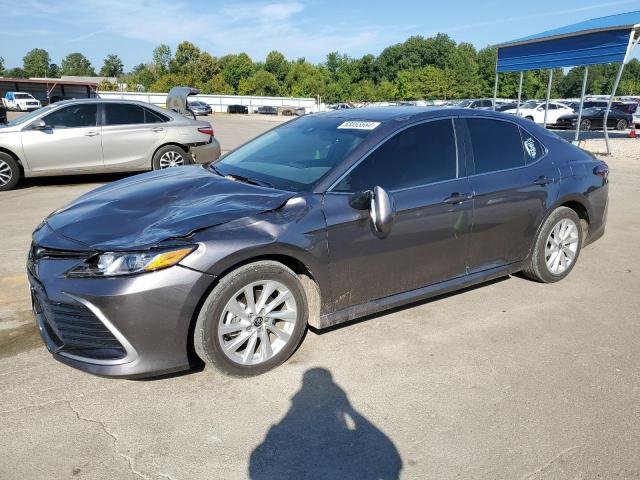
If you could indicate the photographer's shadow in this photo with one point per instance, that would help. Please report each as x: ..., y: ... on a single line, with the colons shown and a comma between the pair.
x: 323, y: 437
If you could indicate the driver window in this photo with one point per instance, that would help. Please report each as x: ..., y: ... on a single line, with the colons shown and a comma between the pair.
x: 418, y: 155
x: 73, y: 116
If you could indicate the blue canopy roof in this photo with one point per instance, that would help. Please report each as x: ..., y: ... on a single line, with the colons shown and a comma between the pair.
x: 600, y: 40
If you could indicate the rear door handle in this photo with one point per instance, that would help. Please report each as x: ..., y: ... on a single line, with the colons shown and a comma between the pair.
x: 457, y: 198
x: 91, y: 134
x: 542, y: 180
x: 157, y: 129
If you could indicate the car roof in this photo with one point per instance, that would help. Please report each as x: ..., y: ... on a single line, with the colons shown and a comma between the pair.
x: 407, y: 113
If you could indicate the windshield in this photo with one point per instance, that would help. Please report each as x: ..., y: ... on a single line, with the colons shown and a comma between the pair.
x: 29, y: 116
x: 463, y: 104
x: 296, y: 155
x: 22, y: 95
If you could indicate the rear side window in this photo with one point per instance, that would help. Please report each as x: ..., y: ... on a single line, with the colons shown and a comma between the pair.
x: 497, y: 145
x: 419, y: 155
x: 154, y: 117
x: 533, y: 149
x: 73, y: 116
x: 123, y: 114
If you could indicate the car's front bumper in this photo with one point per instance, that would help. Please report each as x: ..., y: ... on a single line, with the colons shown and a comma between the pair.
x: 206, y: 153
x: 127, y: 327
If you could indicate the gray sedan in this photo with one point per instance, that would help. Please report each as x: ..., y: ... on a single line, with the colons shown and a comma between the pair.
x: 95, y: 135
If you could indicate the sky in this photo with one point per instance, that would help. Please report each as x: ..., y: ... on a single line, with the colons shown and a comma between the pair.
x: 297, y: 28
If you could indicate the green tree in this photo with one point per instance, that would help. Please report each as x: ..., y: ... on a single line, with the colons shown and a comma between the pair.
x: 277, y: 65
x: 161, y: 58
x: 54, y: 71
x: 216, y: 85
x: 107, y: 86
x: 261, y: 83
x: 1, y: 66
x: 206, y: 67
x: 169, y: 80
x: 141, y: 77
x: 185, y: 59
x: 77, y: 64
x: 236, y: 67
x: 36, y: 63
x: 113, y: 66
x: 15, y: 73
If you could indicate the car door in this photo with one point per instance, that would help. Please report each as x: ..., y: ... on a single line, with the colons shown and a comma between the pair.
x: 130, y: 135
x: 70, y: 140
x: 428, y: 242
x: 513, y: 182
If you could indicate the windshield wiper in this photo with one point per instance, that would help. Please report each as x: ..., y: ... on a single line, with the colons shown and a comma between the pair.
x: 241, y: 178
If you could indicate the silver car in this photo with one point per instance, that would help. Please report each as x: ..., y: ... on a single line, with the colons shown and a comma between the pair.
x: 96, y: 135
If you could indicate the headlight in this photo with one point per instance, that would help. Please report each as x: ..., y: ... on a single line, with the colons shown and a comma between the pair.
x: 111, y: 264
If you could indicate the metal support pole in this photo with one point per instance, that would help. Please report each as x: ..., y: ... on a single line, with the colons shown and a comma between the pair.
x: 546, y: 105
x: 606, y: 113
x: 584, y: 89
x: 495, y: 92
x: 519, y: 94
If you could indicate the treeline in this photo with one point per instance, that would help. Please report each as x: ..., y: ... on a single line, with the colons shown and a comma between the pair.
x: 419, y: 68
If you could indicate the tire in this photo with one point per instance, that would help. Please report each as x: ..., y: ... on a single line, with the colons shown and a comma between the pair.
x: 9, y: 172
x: 542, y: 262
x: 585, y: 125
x: 622, y: 124
x: 170, y: 156
x: 247, y: 356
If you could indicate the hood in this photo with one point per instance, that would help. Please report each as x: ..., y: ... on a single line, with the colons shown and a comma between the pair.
x: 139, y: 212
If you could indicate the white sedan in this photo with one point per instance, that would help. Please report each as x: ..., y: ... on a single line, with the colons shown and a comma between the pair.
x: 535, y: 111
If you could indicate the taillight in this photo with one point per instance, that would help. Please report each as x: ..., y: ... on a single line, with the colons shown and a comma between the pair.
x: 601, y: 170
x: 206, y: 131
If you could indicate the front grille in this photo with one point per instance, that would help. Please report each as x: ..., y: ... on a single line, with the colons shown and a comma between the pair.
x: 74, y: 329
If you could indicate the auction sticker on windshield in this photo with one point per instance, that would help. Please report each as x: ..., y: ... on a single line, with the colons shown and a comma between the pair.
x: 358, y: 125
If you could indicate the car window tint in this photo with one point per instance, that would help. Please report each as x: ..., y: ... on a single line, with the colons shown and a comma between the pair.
x: 73, y: 116
x: 123, y: 114
x: 154, y: 117
x: 419, y: 155
x: 533, y: 149
x: 496, y: 145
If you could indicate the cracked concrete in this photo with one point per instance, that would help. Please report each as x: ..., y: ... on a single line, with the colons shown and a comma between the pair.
x: 511, y: 380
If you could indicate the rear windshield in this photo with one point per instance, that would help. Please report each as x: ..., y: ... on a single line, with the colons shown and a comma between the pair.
x: 298, y: 154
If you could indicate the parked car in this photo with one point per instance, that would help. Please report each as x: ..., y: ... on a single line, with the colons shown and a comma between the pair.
x: 3, y: 115
x: 267, y: 110
x: 238, y: 109
x: 501, y: 107
x: 321, y: 220
x: 534, y: 110
x: 593, y: 118
x: 21, y: 101
x: 636, y: 119
x: 200, y: 108
x: 293, y: 111
x: 626, y: 107
x: 479, y: 103
x: 95, y: 135
x: 339, y: 106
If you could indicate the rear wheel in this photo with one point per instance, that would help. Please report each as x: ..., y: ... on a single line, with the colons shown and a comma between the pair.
x: 170, y: 156
x: 253, y: 320
x: 622, y: 124
x: 585, y: 124
x: 9, y: 172
x: 557, y: 247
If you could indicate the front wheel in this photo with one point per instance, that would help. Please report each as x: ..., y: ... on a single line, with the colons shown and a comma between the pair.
x: 557, y: 247
x: 585, y: 125
x: 622, y: 124
x: 253, y: 320
x: 9, y: 172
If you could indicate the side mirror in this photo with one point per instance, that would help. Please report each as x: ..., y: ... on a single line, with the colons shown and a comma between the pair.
x: 39, y: 125
x: 381, y: 211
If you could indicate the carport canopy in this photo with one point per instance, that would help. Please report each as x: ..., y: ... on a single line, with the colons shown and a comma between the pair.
x: 596, y: 41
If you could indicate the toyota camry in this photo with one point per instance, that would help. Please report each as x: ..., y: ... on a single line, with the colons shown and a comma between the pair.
x: 321, y: 220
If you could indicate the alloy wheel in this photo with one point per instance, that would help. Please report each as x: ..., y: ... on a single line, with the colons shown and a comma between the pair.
x: 171, y: 159
x: 622, y: 125
x: 562, y: 246
x: 257, y: 322
x: 5, y: 173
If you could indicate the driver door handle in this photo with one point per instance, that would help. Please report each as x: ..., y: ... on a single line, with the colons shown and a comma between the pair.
x: 91, y: 134
x: 157, y: 129
x: 457, y: 198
